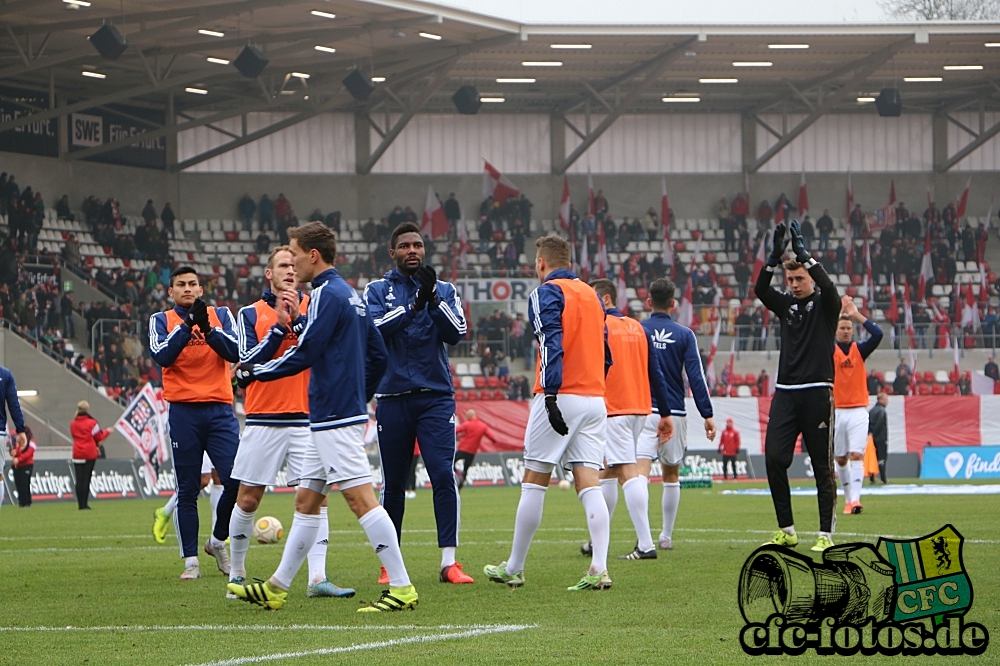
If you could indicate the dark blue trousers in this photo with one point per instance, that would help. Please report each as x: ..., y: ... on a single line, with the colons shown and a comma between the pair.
x: 197, y: 428
x: 430, y: 419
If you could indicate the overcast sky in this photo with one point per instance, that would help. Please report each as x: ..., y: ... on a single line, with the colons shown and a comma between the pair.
x: 672, y: 11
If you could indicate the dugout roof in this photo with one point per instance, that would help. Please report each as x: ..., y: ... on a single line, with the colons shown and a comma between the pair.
x: 425, y: 52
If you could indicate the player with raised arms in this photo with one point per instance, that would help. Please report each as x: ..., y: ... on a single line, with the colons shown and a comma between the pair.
x: 195, y: 345
x: 277, y: 423
x: 673, y: 348
x: 418, y: 316
x: 567, y: 420
x: 803, y: 400
x: 346, y: 357
x: 631, y: 381
x: 850, y: 400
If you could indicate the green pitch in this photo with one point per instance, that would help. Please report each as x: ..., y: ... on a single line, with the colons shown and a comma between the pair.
x: 93, y: 587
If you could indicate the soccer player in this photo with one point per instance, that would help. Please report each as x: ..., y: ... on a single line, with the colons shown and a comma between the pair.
x: 11, y: 403
x: 630, y: 383
x: 162, y: 516
x: 674, y: 349
x: 418, y: 316
x: 346, y: 358
x: 277, y: 423
x: 567, y: 421
x: 471, y: 433
x: 803, y: 401
x: 195, y: 345
x: 850, y: 400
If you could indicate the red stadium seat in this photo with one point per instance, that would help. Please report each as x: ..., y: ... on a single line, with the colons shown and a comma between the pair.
x: 232, y: 236
x: 754, y: 392
x: 492, y: 382
x: 732, y: 392
x: 880, y: 375
x: 696, y: 234
x: 472, y: 395
x: 480, y: 382
x: 929, y: 377
x: 888, y: 389
x: 937, y: 389
x: 642, y: 293
x: 353, y: 282
x: 852, y: 291
x: 498, y: 394
x: 452, y: 366
x: 456, y: 381
x: 679, y: 246
x: 950, y: 389
x: 953, y: 376
x: 709, y: 257
x: 856, y: 280
x: 253, y: 260
x: 729, y: 292
x: 243, y: 272
x: 924, y: 389
x: 721, y: 280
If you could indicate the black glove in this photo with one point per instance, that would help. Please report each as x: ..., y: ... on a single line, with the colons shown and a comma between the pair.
x: 778, y: 246
x: 555, y: 416
x: 427, y: 294
x: 202, y: 318
x: 244, y: 376
x: 196, y: 313
x: 799, y: 244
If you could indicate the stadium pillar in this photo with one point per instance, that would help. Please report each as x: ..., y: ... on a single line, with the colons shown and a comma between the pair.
x: 939, y: 142
x: 748, y: 141
x: 173, y: 178
x: 362, y: 142
x: 557, y: 145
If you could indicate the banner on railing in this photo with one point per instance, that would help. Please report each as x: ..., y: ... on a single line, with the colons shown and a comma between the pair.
x: 41, y: 274
x: 144, y: 425
x: 97, y: 127
x: 498, y: 290
x: 35, y: 138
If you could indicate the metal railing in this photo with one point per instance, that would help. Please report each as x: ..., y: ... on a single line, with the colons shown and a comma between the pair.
x: 103, y: 328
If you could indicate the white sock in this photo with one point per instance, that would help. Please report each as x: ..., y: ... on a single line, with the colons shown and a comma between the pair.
x: 600, y: 527
x: 637, y: 500
x: 382, y: 536
x: 857, y: 477
x: 447, y: 556
x: 609, y: 488
x: 671, y: 498
x: 529, y: 516
x: 317, y: 554
x: 214, y: 495
x: 168, y: 508
x: 240, y: 532
x: 301, y: 538
x: 790, y: 530
x: 844, y: 473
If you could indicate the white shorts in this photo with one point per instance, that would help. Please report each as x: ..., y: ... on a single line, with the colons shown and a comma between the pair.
x: 343, y: 455
x: 586, y: 417
x: 672, y: 451
x: 263, y: 449
x: 206, y: 464
x: 850, y: 430
x: 649, y: 441
x: 623, y: 438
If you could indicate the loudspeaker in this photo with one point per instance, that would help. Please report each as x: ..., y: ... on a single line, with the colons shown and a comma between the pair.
x: 466, y: 100
x: 359, y: 85
x: 251, y: 62
x: 889, y: 103
x: 109, y: 42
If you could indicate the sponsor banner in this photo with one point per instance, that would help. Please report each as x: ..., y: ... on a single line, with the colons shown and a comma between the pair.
x: 50, y: 480
x: 961, y: 462
x: 97, y: 127
x: 41, y: 274
x: 695, y: 460
x: 898, y: 466
x: 163, y: 484
x: 501, y: 290
x: 114, y: 479
x: 37, y: 138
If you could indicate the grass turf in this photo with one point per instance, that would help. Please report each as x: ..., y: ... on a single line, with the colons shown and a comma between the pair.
x: 60, y: 567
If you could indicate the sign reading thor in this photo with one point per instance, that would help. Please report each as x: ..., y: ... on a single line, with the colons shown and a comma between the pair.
x: 484, y: 290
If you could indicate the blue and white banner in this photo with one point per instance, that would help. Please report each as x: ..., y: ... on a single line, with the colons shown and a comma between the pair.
x: 961, y: 462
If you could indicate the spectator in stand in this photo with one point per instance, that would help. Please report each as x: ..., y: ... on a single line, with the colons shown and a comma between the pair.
x: 3, y: 193
x: 167, y: 217
x: 763, y: 383
x: 857, y: 222
x: 518, y: 328
x: 87, y: 436
x: 991, y: 370
x: 740, y: 209
x: 470, y: 435
x: 66, y: 309
x: 524, y: 206
x: 652, y: 225
x: 969, y: 243
x: 742, y: 273
x: 369, y: 231
x: 63, y: 211
x: 332, y: 220
x: 601, y: 203
x: 518, y: 389
x: 841, y: 253
x: 247, y: 208
x: 71, y: 251
x: 808, y: 233
x: 722, y: 212
x: 743, y: 326
x: 901, y: 384
x: 317, y: 216
x: 965, y: 384
x: 875, y: 385
x: 824, y: 225
x: 22, y: 464
x: 485, y: 232
x: 263, y: 243
x: 729, y: 448
x: 486, y: 363
x: 990, y: 325
x: 757, y: 329
x: 764, y: 215
x: 624, y: 235
x: 149, y: 212
x: 452, y: 211
x: 265, y: 213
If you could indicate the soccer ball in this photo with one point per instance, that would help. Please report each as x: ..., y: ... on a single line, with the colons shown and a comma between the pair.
x: 268, y: 530
x: 564, y: 484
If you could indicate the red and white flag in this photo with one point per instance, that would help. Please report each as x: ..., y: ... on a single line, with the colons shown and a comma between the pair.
x: 926, y: 270
x: 668, y: 249
x: 564, y: 205
x: 710, y: 364
x: 730, y: 367
x: 929, y: 198
x: 892, y: 194
x: 913, y: 371
x: 463, y: 250
x: 984, y: 287
x: 963, y: 201
x: 779, y: 210
x: 433, y: 224
x: 848, y: 247
x: 591, y: 204
x: 761, y: 258
x: 943, y: 326
x: 803, y: 197
x: 958, y: 372
x: 603, y: 264
x: 585, y: 257
x: 869, y: 280
x: 970, y: 311
x: 685, y: 314
x: 622, y: 291
x: 893, y: 314
x: 908, y: 313
x: 497, y: 185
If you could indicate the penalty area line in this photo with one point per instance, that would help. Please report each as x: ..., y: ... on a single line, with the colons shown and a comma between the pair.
x: 493, y: 628
x: 361, y: 647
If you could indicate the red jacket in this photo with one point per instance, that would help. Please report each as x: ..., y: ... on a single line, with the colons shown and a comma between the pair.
x: 86, y: 435
x: 729, y: 443
x: 472, y: 433
x: 25, y: 457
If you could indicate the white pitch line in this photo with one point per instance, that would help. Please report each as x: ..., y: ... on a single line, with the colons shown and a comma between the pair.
x: 239, y: 661
x: 262, y: 627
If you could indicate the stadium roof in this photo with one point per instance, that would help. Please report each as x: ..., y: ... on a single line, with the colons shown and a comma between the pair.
x: 179, y: 49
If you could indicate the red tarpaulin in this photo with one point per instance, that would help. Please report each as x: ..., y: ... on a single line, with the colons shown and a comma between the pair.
x: 507, y: 418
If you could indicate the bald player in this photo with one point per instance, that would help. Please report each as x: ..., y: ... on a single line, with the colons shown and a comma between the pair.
x: 631, y: 381
x: 567, y: 421
x: 850, y: 400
